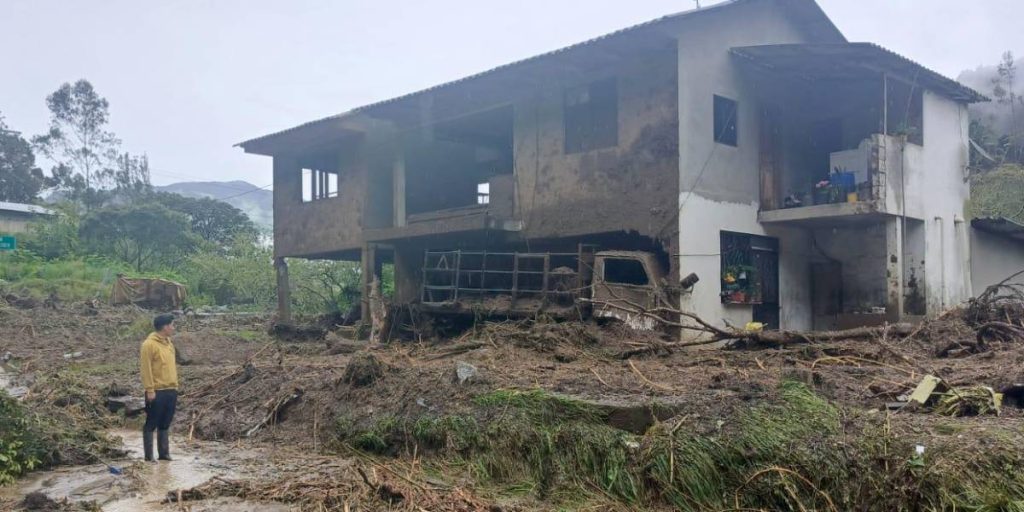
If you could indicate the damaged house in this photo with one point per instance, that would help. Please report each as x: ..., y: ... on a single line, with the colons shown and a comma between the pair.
x: 807, y: 181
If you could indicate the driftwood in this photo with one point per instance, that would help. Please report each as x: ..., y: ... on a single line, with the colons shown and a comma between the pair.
x: 276, y: 411
x: 732, y: 336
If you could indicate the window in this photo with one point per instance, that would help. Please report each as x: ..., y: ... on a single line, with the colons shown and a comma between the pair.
x: 750, y: 272
x: 591, y: 116
x: 483, y: 193
x: 726, y: 111
x: 624, y: 271
x: 317, y: 184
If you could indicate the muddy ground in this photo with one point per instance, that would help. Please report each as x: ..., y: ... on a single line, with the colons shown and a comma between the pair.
x: 333, y: 424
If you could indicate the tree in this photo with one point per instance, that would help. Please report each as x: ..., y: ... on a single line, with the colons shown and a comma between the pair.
x: 143, y: 235
x: 215, y: 221
x: 20, y: 179
x: 131, y: 176
x: 1011, y: 144
x: 78, y: 140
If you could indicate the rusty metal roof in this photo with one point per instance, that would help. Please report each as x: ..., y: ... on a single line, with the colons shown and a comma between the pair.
x: 849, y: 59
x: 815, y: 12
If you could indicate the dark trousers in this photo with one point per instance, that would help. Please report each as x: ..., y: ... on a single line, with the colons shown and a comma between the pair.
x: 160, y: 411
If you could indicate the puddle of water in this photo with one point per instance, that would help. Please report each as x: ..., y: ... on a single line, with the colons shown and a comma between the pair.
x: 193, y: 465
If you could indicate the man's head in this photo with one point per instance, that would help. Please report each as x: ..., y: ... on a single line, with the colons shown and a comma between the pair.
x: 164, y: 324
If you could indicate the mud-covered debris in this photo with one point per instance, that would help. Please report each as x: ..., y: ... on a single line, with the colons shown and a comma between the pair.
x: 288, y: 332
x: 465, y: 372
x: 39, y: 502
x: 362, y: 370
x: 131, y: 405
x: 21, y: 302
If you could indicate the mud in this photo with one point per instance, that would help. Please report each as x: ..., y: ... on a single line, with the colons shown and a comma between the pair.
x: 144, y: 486
x: 240, y: 376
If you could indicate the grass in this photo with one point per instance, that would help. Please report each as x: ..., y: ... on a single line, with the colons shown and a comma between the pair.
x: 795, y: 451
x: 72, y: 279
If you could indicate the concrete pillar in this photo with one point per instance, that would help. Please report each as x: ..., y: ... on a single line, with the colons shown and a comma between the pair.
x: 284, y: 295
x: 398, y: 193
x: 368, y: 268
x: 894, y: 268
x: 408, y: 264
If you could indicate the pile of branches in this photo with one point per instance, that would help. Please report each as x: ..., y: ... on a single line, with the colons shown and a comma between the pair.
x: 997, y: 316
x: 335, y: 485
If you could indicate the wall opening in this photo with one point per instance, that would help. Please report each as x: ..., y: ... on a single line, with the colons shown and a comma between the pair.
x: 454, y: 163
x: 625, y: 271
x: 725, y: 112
x: 905, y: 112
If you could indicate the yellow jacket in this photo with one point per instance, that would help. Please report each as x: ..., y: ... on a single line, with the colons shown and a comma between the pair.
x: 157, y: 363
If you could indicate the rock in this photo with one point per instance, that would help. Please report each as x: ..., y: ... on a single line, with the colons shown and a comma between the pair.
x: 465, y: 372
x: 131, y: 405
x: 362, y: 370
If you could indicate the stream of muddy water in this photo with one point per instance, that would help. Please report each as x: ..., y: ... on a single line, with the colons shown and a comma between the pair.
x: 144, y: 486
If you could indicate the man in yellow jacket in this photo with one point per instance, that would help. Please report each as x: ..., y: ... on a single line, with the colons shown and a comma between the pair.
x: 160, y: 378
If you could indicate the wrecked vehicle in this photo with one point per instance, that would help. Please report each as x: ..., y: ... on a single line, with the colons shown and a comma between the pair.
x: 588, y: 283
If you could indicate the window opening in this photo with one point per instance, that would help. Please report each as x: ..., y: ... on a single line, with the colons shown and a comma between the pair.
x: 625, y: 271
x: 749, y: 268
x: 317, y: 184
x: 725, y: 112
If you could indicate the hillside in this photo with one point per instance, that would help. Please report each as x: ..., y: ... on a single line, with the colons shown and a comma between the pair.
x: 257, y: 203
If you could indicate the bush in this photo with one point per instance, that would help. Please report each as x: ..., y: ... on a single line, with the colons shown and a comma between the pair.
x: 20, y: 445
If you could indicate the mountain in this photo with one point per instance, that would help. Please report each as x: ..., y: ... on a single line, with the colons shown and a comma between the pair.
x: 256, y: 202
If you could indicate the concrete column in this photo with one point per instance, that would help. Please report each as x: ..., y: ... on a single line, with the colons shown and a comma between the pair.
x: 368, y: 267
x: 398, y: 193
x: 894, y: 268
x: 284, y: 295
x: 408, y: 264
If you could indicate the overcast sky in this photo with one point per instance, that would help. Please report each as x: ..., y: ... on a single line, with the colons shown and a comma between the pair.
x: 187, y: 79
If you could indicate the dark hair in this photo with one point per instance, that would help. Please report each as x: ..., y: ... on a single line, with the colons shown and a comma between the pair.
x: 160, y: 321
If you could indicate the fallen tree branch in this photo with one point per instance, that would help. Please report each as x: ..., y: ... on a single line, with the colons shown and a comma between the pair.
x: 740, y: 336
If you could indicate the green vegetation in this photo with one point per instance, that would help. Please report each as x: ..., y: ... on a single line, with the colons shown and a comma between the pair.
x: 998, y: 193
x: 794, y: 452
x: 43, y: 436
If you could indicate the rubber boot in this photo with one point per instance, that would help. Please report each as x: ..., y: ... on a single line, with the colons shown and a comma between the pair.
x: 163, y: 444
x: 147, y: 445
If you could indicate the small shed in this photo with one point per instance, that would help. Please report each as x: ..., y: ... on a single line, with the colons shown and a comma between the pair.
x: 16, y: 217
x: 997, y: 251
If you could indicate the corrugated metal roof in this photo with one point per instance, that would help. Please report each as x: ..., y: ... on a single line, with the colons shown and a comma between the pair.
x: 640, y: 26
x: 833, y: 58
x: 29, y: 209
x: 1000, y: 226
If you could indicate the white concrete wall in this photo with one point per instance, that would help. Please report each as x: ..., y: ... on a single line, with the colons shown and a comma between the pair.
x: 719, y: 184
x: 994, y: 258
x: 935, y: 192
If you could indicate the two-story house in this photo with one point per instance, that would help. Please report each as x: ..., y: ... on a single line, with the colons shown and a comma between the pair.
x: 810, y: 182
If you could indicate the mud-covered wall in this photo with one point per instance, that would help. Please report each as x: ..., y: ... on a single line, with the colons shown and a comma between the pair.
x: 630, y: 187
x: 324, y: 226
